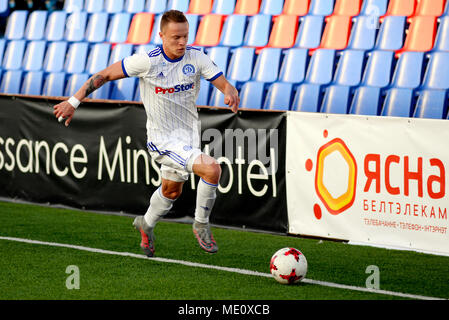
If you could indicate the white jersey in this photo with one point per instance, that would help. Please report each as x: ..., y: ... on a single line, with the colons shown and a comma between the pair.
x: 169, y: 90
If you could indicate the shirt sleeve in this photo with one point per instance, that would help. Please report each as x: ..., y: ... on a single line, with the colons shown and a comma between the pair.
x: 136, y: 65
x: 209, y: 70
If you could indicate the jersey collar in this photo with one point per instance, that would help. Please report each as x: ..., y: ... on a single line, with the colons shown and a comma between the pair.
x: 171, y: 60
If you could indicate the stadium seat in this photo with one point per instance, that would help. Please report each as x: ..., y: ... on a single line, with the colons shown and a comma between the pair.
x: 201, y: 7
x: 321, y: 7
x: 55, y: 56
x: 217, y: 97
x: 141, y: 28
x: 11, y: 81
x: 233, y: 31
x: 73, y: 5
x: 96, y: 27
x: 271, y: 7
x: 321, y: 66
x: 278, y: 96
x: 181, y: 5
x: 32, y: 83
x: 155, y: 38
x: 74, y: 83
x: 134, y: 6
x: 363, y: 34
x: 408, y: 70
x: 155, y: 6
x: 76, y: 57
x: 120, y: 51
x: 433, y: 8
x: 123, y: 89
x: 252, y: 94
x: 258, y: 31
x: 378, y: 70
x: 307, y: 98
x: 398, y: 103
x: 103, y: 92
x: 336, y: 99
x: 347, y: 7
x: 366, y: 101
x: 209, y: 30
x: 374, y: 8
x: 309, y: 32
x: 33, y: 58
x: 76, y: 26
x: 93, y: 6
x: 241, y: 65
x: 12, y: 59
x: 4, y: 7
x: 336, y: 32
x: 118, y: 28
x: 203, y: 94
x: 98, y: 57
x: 437, y: 71
x: 143, y: 48
x: 219, y: 55
x: 54, y: 84
x: 283, y: 32
x: 442, y: 36
x: 224, y: 7
x: 391, y: 33
x: 401, y: 8
x: 137, y: 96
x: 294, y: 64
x: 349, y: 68
x: 421, y: 34
x: 193, y: 24
x: 446, y: 10
x: 116, y: 6
x: 296, y: 7
x: 35, y: 28
x: 54, y: 31
x: 2, y: 49
x: 15, y: 26
x: 266, y: 68
x: 247, y: 7
x: 431, y: 104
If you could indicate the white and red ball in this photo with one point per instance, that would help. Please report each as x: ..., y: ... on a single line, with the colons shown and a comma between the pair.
x: 288, y: 266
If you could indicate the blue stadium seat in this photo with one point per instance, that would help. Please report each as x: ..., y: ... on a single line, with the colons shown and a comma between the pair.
x: 54, y: 84
x: 73, y: 5
x: 98, y: 57
x: 258, y: 31
x: 103, y: 92
x: 114, y: 6
x: 321, y: 7
x: 307, y: 98
x: 437, y: 72
x: 76, y: 57
x: 374, y: 8
x: 137, y: 94
x: 336, y: 99
x: 366, y: 101
x: 2, y: 49
x: 442, y: 37
x: 32, y: 83
x: 266, y: 68
x: 233, y: 31
x: 93, y: 6
x: 349, y: 68
x: 193, y: 24
x: 320, y: 70
x: 54, y: 31
x: 446, y: 10
x: 271, y: 7
x: 252, y: 95
x: 118, y: 27
x: 391, y: 33
x: 144, y: 48
x: 294, y: 64
x: 378, y: 69
x: 96, y: 27
x: 55, y: 56
x: 398, y: 103
x: 408, y: 70
x: 35, y: 28
x: 203, y: 94
x: 74, y: 83
x: 241, y: 65
x: 309, y: 32
x: 220, y: 56
x: 34, y: 55
x: 225, y: 7
x: 120, y: 51
x: 155, y: 6
x: 134, y: 6
x: 12, y: 59
x: 278, y: 96
x: 181, y: 5
x: 123, y: 89
x: 76, y: 26
x: 363, y: 34
x: 4, y: 7
x: 431, y: 104
x: 217, y: 97
x: 155, y: 38
x: 11, y: 81
x: 15, y: 27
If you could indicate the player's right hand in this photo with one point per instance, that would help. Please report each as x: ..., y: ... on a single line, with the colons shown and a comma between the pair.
x: 64, y: 110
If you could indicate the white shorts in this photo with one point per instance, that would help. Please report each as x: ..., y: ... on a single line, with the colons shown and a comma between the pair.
x: 175, y: 157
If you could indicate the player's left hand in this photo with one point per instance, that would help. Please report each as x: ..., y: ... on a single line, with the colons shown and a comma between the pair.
x: 233, y: 101
x: 64, y: 110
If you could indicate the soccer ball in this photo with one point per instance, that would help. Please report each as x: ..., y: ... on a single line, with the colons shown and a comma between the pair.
x: 288, y: 266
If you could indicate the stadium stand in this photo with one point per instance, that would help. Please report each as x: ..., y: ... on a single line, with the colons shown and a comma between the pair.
x: 369, y: 57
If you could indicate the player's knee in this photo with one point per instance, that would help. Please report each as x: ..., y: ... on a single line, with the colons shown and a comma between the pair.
x: 172, y: 193
x: 213, y: 172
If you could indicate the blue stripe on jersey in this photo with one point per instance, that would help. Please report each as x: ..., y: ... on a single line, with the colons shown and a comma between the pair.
x: 155, y: 52
x: 124, y: 70
x: 215, y: 77
x: 175, y: 157
x: 189, y: 47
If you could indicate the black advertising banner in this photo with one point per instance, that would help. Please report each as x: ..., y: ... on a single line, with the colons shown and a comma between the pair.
x: 100, y: 161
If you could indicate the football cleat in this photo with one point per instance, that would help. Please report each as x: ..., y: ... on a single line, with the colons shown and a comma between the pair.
x: 147, y: 242
x: 204, y: 236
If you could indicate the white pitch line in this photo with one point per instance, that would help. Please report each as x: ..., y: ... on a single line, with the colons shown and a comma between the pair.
x: 227, y: 269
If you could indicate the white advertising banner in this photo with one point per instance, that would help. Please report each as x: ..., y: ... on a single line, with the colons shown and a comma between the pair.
x: 377, y: 180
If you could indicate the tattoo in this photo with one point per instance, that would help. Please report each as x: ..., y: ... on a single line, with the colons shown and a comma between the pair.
x: 95, y: 82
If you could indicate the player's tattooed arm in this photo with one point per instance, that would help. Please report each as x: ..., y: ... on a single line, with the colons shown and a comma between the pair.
x: 95, y: 82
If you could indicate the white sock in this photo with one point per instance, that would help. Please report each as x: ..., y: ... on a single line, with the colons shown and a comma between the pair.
x: 159, y: 207
x: 205, y: 199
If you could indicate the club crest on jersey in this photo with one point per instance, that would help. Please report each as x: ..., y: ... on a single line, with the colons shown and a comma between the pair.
x: 188, y: 69
x: 177, y: 88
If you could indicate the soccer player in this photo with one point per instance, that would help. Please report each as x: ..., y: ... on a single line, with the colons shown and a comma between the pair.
x: 169, y: 80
